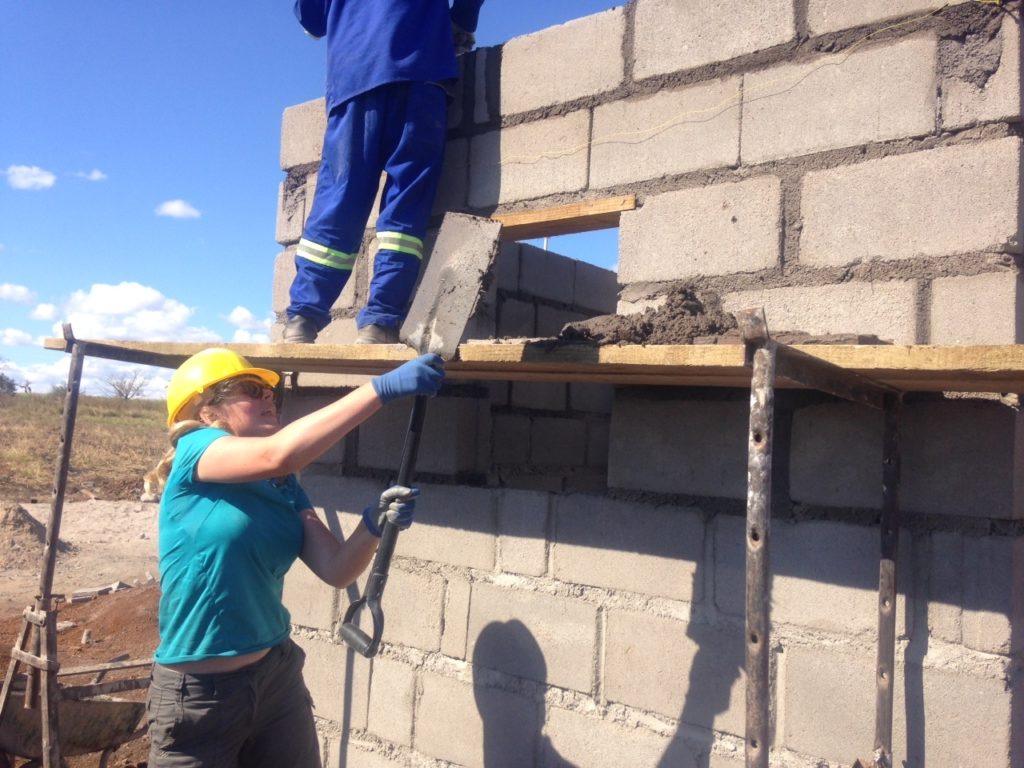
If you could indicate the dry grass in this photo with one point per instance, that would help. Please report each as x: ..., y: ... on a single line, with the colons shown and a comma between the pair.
x: 115, y: 443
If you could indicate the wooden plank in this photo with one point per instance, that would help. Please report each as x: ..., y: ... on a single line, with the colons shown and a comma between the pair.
x: 907, y: 368
x: 583, y: 216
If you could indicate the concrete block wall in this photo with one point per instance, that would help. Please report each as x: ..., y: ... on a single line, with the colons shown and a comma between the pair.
x: 573, y: 589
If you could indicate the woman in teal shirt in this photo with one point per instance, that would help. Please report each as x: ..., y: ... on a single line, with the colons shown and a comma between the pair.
x: 227, y: 688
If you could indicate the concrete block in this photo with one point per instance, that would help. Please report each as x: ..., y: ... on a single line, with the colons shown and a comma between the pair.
x: 993, y: 606
x: 591, y: 398
x: 595, y: 289
x: 891, y: 208
x: 302, y: 134
x: 887, y: 310
x: 668, y: 133
x: 346, y: 755
x: 551, y: 320
x: 962, y: 458
x: 517, y: 319
x: 832, y: 15
x: 944, y: 569
x: 688, y: 671
x: 522, y: 532
x: 284, y: 273
x: 506, y: 267
x: 449, y: 443
x: 414, y: 607
x: 338, y: 680
x: 965, y: 103
x: 456, y: 618
x: 546, y: 275
x: 876, y: 94
x: 531, y: 160
x: 542, y: 69
x: 716, y: 230
x: 598, y: 442
x: 475, y: 726
x: 672, y: 36
x: 533, y: 635
x: 392, y: 697
x: 453, y: 188
x: 558, y: 442
x: 576, y: 739
x: 301, y: 402
x: 291, y: 214
x: 982, y: 309
x: 335, y: 496
x: 824, y: 574
x: 510, y: 439
x: 456, y: 525
x: 937, y: 713
x: 540, y: 395
x: 836, y: 456
x: 310, y: 601
x: 643, y: 454
x: 628, y: 546
x: 481, y: 110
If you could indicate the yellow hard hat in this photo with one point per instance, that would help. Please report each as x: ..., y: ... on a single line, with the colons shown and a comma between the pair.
x: 202, y: 371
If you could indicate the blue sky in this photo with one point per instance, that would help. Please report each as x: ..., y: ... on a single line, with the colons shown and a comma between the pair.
x: 139, y: 167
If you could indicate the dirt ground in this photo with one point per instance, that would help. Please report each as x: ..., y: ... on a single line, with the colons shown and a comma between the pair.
x: 103, y: 543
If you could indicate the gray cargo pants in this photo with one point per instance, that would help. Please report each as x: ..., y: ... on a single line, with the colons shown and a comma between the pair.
x: 257, y: 717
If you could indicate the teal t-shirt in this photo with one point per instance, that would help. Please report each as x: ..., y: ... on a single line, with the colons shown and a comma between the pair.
x: 224, y: 551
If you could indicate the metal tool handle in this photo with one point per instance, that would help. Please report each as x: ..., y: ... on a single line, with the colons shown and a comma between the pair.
x: 353, y: 636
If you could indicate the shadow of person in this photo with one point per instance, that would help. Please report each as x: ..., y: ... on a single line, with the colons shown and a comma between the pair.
x: 511, y: 649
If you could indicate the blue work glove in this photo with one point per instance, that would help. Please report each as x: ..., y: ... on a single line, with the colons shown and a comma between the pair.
x: 421, y: 376
x: 397, y: 505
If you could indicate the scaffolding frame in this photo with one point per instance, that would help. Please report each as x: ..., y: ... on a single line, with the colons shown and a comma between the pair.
x: 766, y: 364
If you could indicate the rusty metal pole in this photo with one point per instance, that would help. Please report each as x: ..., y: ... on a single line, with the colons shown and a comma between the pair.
x: 890, y: 532
x: 761, y: 354
x: 44, y: 600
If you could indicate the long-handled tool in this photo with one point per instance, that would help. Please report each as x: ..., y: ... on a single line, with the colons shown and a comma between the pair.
x: 451, y: 287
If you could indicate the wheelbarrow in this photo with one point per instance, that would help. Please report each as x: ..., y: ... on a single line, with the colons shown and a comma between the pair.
x: 86, y: 726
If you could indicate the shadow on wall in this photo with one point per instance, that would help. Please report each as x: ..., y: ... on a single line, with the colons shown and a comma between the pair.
x: 514, y: 741
x: 503, y: 647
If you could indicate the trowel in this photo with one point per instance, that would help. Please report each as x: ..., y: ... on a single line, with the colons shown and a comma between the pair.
x: 451, y: 287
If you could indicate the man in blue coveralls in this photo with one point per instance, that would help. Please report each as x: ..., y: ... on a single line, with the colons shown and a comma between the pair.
x: 389, y: 65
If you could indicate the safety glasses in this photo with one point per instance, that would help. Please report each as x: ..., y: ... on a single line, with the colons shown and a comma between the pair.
x: 251, y: 388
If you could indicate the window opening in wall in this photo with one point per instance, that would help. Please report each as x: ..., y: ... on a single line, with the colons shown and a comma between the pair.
x: 598, y: 247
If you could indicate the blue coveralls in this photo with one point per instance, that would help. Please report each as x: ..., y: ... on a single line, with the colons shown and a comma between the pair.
x: 386, y: 112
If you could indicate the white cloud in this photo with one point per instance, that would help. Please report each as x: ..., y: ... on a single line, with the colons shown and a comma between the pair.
x: 29, y: 177
x: 242, y: 336
x: 18, y: 293
x: 130, y: 311
x: 94, y: 175
x: 15, y: 337
x: 249, y: 330
x: 44, y: 312
x: 177, y: 209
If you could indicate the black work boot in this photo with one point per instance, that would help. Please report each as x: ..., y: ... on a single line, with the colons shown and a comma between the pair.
x: 377, y: 334
x: 299, y: 330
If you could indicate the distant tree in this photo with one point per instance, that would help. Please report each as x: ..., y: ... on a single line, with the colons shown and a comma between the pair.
x: 26, y: 387
x: 7, y: 384
x: 59, y: 390
x: 127, y: 386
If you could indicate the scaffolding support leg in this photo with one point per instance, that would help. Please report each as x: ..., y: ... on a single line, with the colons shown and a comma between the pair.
x: 762, y: 355
x: 890, y: 532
